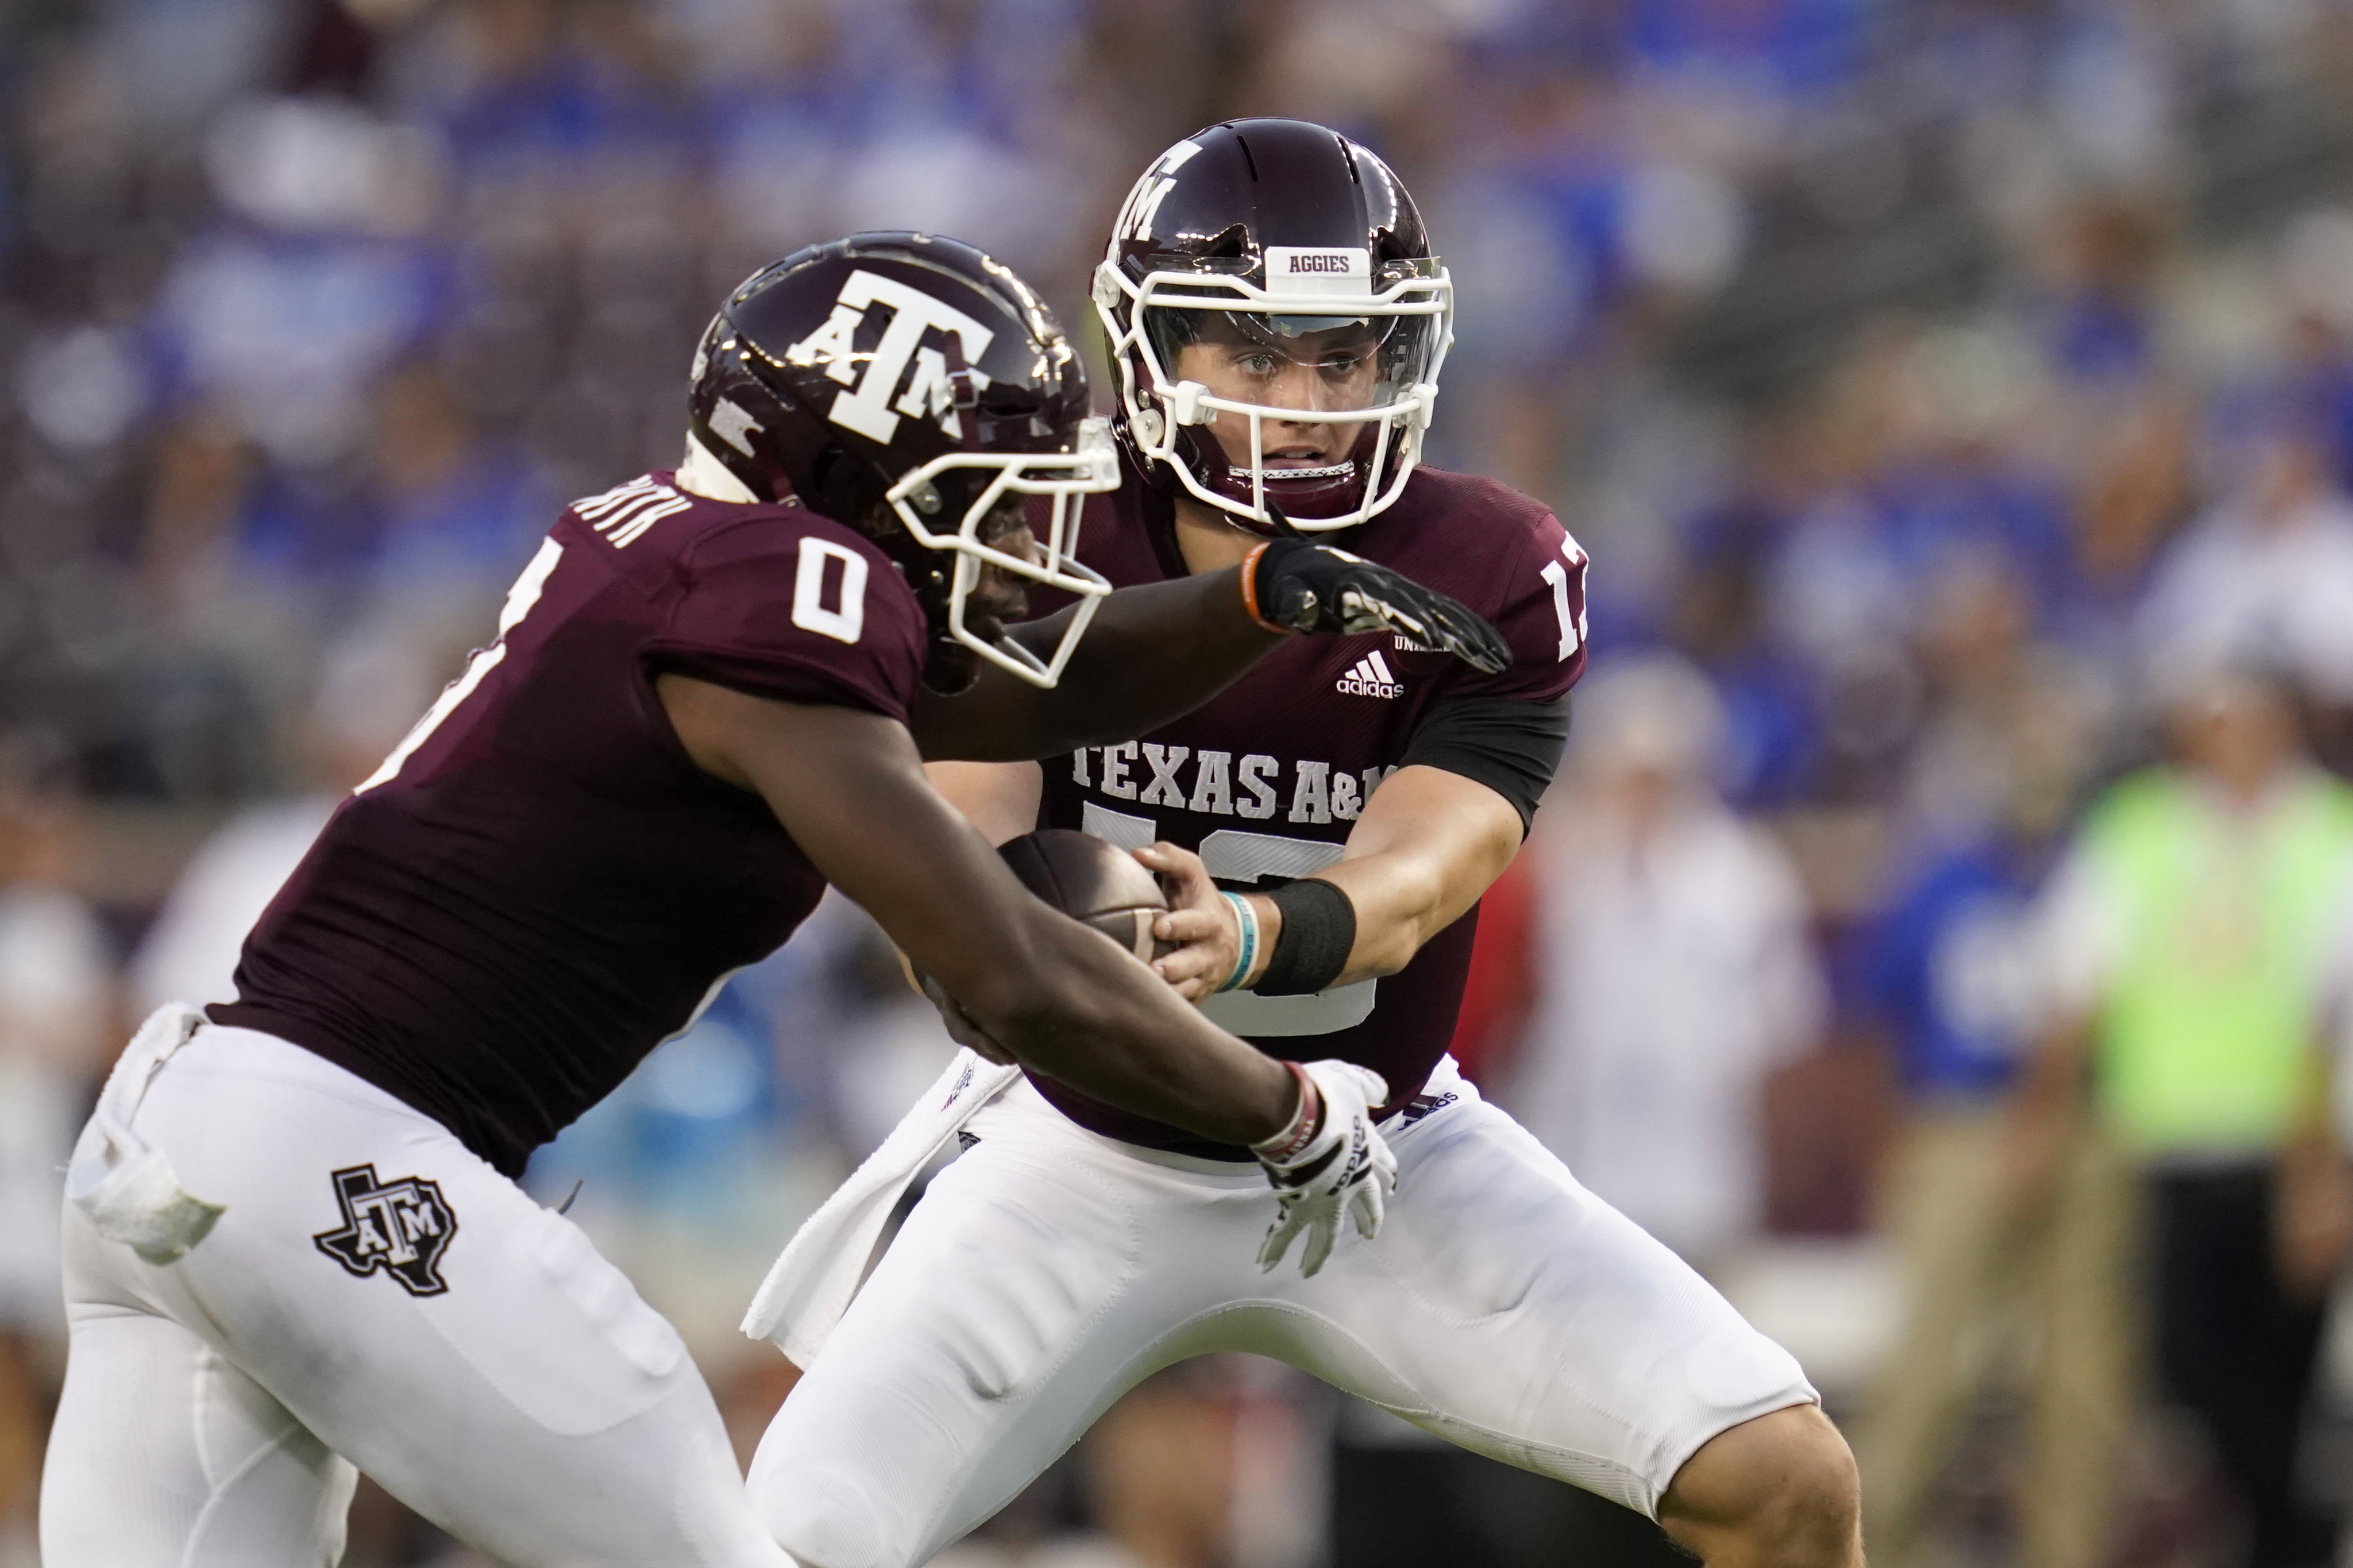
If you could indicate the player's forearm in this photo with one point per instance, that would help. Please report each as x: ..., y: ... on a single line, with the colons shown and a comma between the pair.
x: 1430, y: 843
x: 1089, y: 1016
x: 1400, y: 902
x: 1152, y: 654
x: 847, y: 786
x: 999, y: 799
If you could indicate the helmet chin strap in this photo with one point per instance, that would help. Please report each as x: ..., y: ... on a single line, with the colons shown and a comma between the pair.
x: 1277, y: 526
x: 949, y: 667
x: 1277, y: 523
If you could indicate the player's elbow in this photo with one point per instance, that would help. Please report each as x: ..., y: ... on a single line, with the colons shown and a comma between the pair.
x: 1028, y: 1017
x: 1017, y: 1006
x: 1054, y: 1031
x: 1382, y: 953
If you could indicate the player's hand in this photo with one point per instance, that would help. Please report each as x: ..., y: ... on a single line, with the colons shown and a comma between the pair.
x: 961, y: 1028
x: 1340, y: 1165
x: 1200, y: 921
x: 1316, y: 588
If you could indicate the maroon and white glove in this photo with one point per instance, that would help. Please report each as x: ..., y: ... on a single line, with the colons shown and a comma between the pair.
x: 1330, y: 1161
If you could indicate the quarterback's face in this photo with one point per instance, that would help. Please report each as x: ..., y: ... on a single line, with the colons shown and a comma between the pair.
x: 1313, y: 371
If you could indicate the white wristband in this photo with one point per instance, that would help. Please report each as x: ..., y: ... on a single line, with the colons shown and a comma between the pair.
x: 1246, y: 954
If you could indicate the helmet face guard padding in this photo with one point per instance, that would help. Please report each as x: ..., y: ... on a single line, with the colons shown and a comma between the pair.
x: 1414, y: 298
x: 1068, y: 478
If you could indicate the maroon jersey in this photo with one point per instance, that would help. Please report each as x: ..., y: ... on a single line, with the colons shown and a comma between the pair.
x: 1268, y: 779
x: 539, y: 886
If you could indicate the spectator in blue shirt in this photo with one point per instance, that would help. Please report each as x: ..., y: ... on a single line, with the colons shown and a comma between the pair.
x: 1953, y: 970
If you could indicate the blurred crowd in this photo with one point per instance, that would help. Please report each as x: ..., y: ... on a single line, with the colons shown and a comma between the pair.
x: 1937, y: 933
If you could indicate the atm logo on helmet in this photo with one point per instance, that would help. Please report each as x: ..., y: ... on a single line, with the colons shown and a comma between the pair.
x: 867, y: 407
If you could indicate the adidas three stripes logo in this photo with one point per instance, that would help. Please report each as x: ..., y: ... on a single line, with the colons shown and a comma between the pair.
x: 1371, y: 678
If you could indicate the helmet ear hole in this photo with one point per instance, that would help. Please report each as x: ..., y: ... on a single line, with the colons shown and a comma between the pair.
x: 854, y: 491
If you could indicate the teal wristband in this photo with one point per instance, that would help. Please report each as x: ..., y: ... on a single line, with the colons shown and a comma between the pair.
x: 1246, y: 918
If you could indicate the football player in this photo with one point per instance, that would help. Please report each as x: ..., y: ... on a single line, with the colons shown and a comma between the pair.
x: 1277, y: 321
x: 295, y: 1244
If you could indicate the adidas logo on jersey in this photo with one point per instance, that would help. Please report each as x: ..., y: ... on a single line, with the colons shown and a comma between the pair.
x: 1371, y: 678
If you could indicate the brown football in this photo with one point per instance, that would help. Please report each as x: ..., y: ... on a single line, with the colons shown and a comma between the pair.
x: 1094, y: 882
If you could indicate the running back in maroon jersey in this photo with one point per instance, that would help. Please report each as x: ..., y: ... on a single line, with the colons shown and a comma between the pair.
x: 538, y: 886
x: 1268, y: 779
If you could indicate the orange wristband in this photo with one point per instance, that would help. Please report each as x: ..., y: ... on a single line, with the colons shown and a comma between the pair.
x: 1249, y: 592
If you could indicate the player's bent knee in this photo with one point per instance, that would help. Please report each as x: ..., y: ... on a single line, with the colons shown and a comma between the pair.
x: 833, y: 1518
x: 828, y: 1507
x: 1780, y: 1491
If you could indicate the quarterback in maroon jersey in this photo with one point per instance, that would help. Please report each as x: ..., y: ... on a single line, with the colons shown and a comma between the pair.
x: 294, y: 1245
x: 1278, y: 324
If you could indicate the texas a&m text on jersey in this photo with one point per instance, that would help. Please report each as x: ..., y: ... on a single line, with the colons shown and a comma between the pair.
x: 295, y: 1228
x: 1266, y: 779
x: 1278, y: 321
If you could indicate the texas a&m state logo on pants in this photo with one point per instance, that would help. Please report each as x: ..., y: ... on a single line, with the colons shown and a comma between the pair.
x: 401, y: 1228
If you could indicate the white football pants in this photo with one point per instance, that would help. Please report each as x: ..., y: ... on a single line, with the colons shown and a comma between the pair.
x: 1047, y: 1271
x: 215, y: 1407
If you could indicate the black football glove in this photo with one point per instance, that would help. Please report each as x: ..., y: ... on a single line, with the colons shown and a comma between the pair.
x: 1316, y: 588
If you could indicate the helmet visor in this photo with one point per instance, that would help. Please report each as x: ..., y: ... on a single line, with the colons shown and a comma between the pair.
x: 1317, y: 362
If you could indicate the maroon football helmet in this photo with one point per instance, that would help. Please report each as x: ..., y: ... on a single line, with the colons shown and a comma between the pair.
x: 907, y: 385
x: 1294, y: 257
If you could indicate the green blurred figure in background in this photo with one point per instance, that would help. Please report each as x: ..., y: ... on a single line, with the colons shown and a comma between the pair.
x: 2194, y: 927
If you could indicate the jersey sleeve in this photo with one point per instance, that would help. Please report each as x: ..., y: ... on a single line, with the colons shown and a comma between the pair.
x: 1537, y: 603
x: 802, y: 612
x: 1511, y: 744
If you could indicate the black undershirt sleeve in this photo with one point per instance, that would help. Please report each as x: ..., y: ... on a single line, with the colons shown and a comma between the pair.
x: 1508, y: 743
